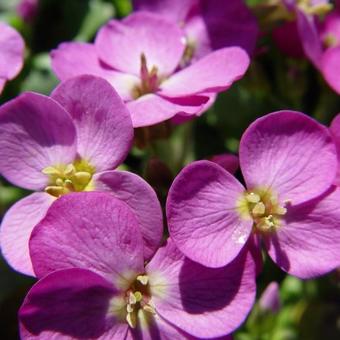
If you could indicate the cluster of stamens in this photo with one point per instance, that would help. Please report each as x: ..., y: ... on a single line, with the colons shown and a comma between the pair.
x: 138, y: 298
x: 264, y: 208
x: 149, y: 79
x: 64, y: 179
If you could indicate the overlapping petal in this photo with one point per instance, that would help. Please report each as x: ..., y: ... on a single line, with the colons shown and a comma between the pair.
x: 290, y: 153
x: 16, y: 229
x: 214, y: 73
x: 203, y: 217
x: 36, y: 132
x: 103, y: 123
x: 93, y: 231
x: 141, y: 199
x: 68, y: 304
x: 204, y: 302
x: 307, y: 244
x: 121, y: 44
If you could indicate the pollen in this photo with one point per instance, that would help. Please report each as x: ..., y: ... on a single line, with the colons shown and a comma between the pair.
x: 264, y: 208
x: 64, y: 179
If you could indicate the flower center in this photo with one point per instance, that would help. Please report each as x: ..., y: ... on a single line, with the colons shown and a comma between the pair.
x: 134, y: 305
x: 138, y: 298
x: 308, y: 7
x: 264, y: 208
x: 64, y: 179
x: 150, y: 79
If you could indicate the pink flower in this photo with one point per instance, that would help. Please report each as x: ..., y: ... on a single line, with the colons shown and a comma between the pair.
x: 140, y: 56
x: 68, y: 142
x: 207, y: 24
x: 94, y: 283
x: 12, y: 48
x: 289, y: 164
x: 319, y: 39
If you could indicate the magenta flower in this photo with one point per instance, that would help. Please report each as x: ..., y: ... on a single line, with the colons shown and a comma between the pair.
x: 68, y: 143
x: 207, y: 24
x: 320, y: 40
x: 12, y: 48
x: 289, y: 164
x: 94, y: 284
x: 140, y: 56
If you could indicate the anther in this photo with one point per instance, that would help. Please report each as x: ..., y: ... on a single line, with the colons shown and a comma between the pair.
x: 259, y: 209
x: 143, y: 279
x: 253, y: 198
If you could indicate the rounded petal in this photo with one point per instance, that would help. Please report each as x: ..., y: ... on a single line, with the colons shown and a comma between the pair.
x: 121, y: 44
x: 330, y: 68
x: 141, y: 199
x: 307, y: 244
x: 74, y: 59
x: 105, y: 238
x: 68, y: 304
x: 204, y: 302
x: 103, y: 123
x: 291, y: 154
x: 151, y: 109
x: 215, y: 72
x: 36, y: 132
x: 16, y: 228
x: 11, y: 52
x: 202, y: 214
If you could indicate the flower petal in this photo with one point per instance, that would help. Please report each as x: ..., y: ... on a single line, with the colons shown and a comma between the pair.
x: 151, y: 109
x: 330, y: 68
x: 90, y: 230
x: 141, y: 199
x: 272, y: 155
x: 309, y: 36
x: 335, y: 130
x: 215, y: 72
x: 121, y: 44
x: 204, y: 302
x: 16, y: 228
x: 73, y: 59
x: 68, y: 304
x: 103, y: 123
x: 36, y: 132
x: 208, y: 24
x: 11, y: 52
x: 202, y: 214
x: 307, y: 244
